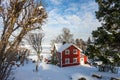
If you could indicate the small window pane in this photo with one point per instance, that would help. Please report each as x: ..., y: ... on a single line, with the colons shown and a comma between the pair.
x: 74, y: 51
x: 67, y: 52
x: 67, y: 61
x: 74, y: 60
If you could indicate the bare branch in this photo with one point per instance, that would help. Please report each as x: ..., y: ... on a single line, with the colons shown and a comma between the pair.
x: 23, y: 14
x: 35, y: 39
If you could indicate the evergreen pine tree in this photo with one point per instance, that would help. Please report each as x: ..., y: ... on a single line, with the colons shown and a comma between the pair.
x: 107, y: 37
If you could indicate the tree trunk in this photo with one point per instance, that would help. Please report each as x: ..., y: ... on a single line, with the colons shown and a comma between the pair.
x: 37, y: 63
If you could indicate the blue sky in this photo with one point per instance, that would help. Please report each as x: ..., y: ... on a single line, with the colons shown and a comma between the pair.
x: 77, y: 15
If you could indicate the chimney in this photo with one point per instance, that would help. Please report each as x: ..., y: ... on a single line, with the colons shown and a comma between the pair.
x: 64, y: 42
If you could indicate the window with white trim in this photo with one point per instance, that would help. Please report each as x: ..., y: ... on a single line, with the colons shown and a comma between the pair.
x: 74, y: 60
x: 74, y: 51
x: 67, y: 60
x: 67, y: 52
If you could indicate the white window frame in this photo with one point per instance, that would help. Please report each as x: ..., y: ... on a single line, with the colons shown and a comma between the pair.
x: 74, y: 51
x: 67, y: 60
x: 74, y: 60
x: 67, y: 52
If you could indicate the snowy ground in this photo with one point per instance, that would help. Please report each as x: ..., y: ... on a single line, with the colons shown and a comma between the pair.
x: 52, y: 72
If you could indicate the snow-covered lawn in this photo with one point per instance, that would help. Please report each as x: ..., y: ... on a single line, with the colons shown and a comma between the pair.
x: 53, y: 72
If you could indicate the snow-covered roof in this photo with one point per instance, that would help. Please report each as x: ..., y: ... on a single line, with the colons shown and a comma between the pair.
x: 65, y: 46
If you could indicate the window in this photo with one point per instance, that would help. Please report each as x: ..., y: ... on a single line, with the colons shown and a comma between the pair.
x: 74, y: 51
x: 74, y: 60
x: 67, y: 61
x: 67, y: 51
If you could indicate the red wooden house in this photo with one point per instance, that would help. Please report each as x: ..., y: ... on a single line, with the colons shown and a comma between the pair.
x: 69, y: 55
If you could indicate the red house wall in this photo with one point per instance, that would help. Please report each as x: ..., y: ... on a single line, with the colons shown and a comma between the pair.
x: 71, y: 56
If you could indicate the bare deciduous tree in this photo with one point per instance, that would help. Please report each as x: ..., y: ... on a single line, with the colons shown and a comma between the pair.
x: 81, y: 44
x: 35, y: 40
x: 66, y: 36
x: 18, y: 18
x: 23, y: 54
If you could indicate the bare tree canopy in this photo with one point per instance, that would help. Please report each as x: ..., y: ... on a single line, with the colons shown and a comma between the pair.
x: 18, y: 17
x: 81, y: 44
x: 35, y: 40
x: 66, y: 36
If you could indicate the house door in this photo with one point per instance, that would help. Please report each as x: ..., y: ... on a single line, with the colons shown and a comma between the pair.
x: 81, y: 61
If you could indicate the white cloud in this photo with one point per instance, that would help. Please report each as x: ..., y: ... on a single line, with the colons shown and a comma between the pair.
x: 71, y: 9
x: 81, y: 23
x: 73, y: 19
x: 56, y: 2
x: 88, y: 6
x: 56, y: 19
